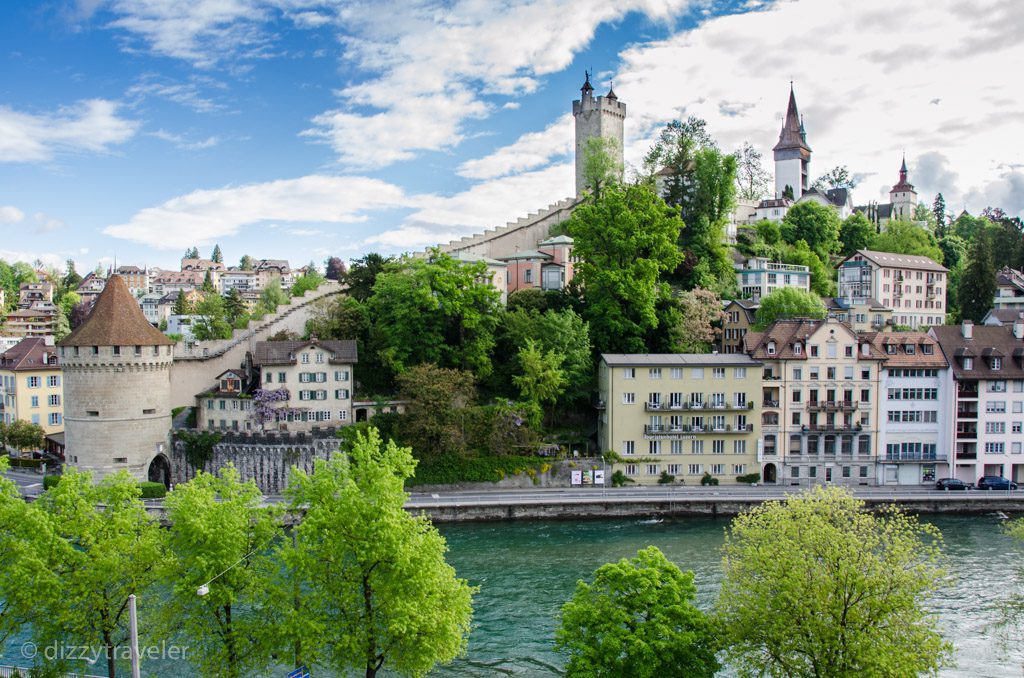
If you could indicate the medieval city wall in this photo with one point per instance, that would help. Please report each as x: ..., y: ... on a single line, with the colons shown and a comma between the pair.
x: 523, y: 234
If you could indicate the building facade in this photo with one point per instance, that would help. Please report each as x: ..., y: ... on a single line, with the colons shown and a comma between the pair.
x: 117, y: 386
x: 228, y: 405
x: 30, y: 385
x: 316, y: 376
x: 914, y: 287
x: 819, y: 402
x: 758, y: 277
x: 863, y: 315
x: 987, y: 380
x: 682, y: 415
x: 1009, y: 290
x: 740, y: 316
x: 597, y: 117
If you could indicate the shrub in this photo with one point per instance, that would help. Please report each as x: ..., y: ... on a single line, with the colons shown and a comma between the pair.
x: 749, y: 478
x: 18, y: 462
x: 153, y: 490
x: 708, y: 479
x: 452, y: 468
x: 619, y: 479
x: 666, y: 478
x: 50, y: 481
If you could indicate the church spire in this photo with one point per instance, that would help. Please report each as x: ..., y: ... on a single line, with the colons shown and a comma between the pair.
x: 903, y: 170
x: 793, y: 134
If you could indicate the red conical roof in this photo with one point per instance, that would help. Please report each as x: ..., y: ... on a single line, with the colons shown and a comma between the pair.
x: 792, y: 134
x: 116, y: 319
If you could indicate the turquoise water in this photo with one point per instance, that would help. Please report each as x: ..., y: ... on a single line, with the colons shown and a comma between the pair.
x: 527, y: 570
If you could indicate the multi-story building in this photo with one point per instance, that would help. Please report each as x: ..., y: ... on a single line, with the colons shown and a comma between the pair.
x: 758, y: 277
x: 30, y: 385
x: 1009, y: 290
x: 863, y: 315
x: 270, y: 269
x: 164, y: 282
x: 740, y: 316
x: 819, y: 401
x: 549, y: 267
x: 914, y: 287
x: 228, y: 406
x: 236, y: 279
x: 914, y: 436
x: 497, y: 270
x: 137, y: 279
x: 683, y: 415
x: 32, y: 293
x: 32, y: 322
x: 90, y: 287
x: 317, y: 376
x: 987, y: 377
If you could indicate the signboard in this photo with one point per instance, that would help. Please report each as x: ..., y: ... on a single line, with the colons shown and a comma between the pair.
x: 301, y: 672
x: 599, y: 477
x: 577, y: 477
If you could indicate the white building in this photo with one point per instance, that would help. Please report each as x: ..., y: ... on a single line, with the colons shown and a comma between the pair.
x: 317, y: 376
x: 792, y: 155
x: 1009, y: 290
x: 234, y: 279
x: 914, y: 287
x: 987, y: 368
x: 914, y: 438
x: 758, y: 277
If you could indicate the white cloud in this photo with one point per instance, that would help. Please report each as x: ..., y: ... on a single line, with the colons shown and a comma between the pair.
x: 203, y: 216
x: 188, y: 94
x: 10, y: 215
x: 90, y: 125
x: 184, y: 143
x: 530, y: 151
x: 45, y: 223
x: 865, y: 82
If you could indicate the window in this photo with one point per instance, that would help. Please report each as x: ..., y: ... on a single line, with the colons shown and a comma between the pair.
x: 151, y: 410
x: 120, y: 460
x: 996, y: 407
x: 863, y: 472
x: 718, y: 447
x: 1014, y: 448
x: 812, y: 472
x: 830, y: 373
x: 696, y: 447
x: 848, y: 351
x: 796, y: 418
x: 995, y: 448
x: 629, y: 373
x: 117, y: 350
x: 677, y: 447
x: 319, y: 357
x: 628, y: 398
x: 814, y: 350
x: 864, y: 445
x: 794, y: 472
x: 54, y: 400
x: 35, y: 418
x: 995, y: 427
x: 341, y: 394
x: 630, y: 469
x: 739, y: 373
x: 1016, y: 427
x: 305, y: 358
x: 673, y: 469
x: 814, y: 374
x: 797, y: 395
x: 718, y: 373
x: 281, y: 377
x: 968, y: 363
x: 717, y: 469
x: 798, y: 374
x: 848, y: 372
x: 997, y: 363
x: 677, y: 373
x: 341, y: 375
x: 831, y: 350
x: 865, y: 395
x: 771, y: 348
x: 797, y: 349
x: 53, y: 381
x: 270, y: 378
x: 697, y: 373
x: 55, y: 419
x: 739, y: 447
x: 653, y: 447
x: 694, y: 470
x: 865, y: 373
x: 35, y: 401
x: 998, y: 386
x: 654, y: 373
x: 33, y: 382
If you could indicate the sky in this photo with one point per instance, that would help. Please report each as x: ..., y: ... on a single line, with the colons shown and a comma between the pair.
x: 131, y: 130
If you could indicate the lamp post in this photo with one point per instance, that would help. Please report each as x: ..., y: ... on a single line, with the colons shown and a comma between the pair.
x: 133, y: 626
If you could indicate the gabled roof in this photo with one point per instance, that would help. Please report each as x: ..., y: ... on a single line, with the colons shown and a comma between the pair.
x: 116, y: 319
x: 526, y: 254
x: 892, y: 260
x: 987, y: 341
x: 1002, y: 316
x: 838, y: 196
x: 557, y: 240
x: 343, y: 351
x: 677, y: 359
x: 901, y: 358
x: 786, y: 333
x: 1010, y: 277
x: 29, y: 355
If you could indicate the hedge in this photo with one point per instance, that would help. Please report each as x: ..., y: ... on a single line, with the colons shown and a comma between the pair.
x: 50, y: 481
x: 149, y: 490
x: 450, y: 469
x: 18, y: 462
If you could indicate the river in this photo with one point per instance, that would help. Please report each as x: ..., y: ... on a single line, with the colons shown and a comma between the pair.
x: 526, y: 570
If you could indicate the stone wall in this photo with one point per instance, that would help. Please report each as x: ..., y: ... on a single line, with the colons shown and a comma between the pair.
x: 523, y: 234
x: 266, y: 458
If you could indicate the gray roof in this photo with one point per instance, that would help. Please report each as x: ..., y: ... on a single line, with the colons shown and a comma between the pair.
x: 893, y: 260
x: 558, y: 240
x: 678, y: 359
x: 1001, y: 316
x: 343, y: 352
x: 527, y: 254
x: 986, y: 342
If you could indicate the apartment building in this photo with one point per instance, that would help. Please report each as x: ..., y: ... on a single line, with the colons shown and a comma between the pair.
x: 317, y: 376
x: 30, y: 385
x: 549, y: 267
x: 1009, y: 290
x: 740, y: 316
x: 235, y: 279
x: 136, y: 278
x: 32, y: 293
x: 164, y: 282
x: 35, y: 322
x: 758, y: 277
x: 682, y: 415
x: 914, y: 287
x: 863, y: 315
x: 228, y: 405
x: 987, y: 378
x: 914, y: 438
x: 819, y: 402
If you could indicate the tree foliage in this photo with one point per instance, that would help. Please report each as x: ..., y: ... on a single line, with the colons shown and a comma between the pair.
x: 906, y: 237
x: 212, y: 319
x: 362, y: 275
x: 217, y: 256
x: 372, y: 585
x: 637, y: 620
x: 701, y: 315
x: 436, y: 402
x: 816, y: 224
x: 788, y: 302
x: 541, y: 379
x: 625, y: 242
x: 334, y: 268
x: 753, y: 181
x: 601, y: 166
x: 856, y: 233
x: 837, y: 177
x: 977, y: 285
x: 823, y: 279
x: 818, y: 586
x: 941, y: 218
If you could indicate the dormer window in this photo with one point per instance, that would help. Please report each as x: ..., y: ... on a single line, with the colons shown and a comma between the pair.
x: 890, y: 349
x: 968, y: 363
x: 796, y: 348
x: 997, y: 363
x: 771, y: 348
x: 926, y: 349
x: 909, y: 348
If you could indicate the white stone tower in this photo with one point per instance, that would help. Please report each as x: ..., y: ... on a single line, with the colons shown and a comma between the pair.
x: 792, y: 154
x: 902, y: 196
x: 597, y: 117
x: 117, y: 386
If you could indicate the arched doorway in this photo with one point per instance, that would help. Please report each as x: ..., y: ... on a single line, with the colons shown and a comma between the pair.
x: 160, y: 470
x: 769, y: 473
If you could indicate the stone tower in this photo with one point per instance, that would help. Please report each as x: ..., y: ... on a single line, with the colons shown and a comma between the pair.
x: 117, y: 385
x: 792, y: 154
x: 596, y: 117
x: 902, y: 196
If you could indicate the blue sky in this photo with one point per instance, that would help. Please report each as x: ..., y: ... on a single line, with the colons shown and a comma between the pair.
x: 305, y: 128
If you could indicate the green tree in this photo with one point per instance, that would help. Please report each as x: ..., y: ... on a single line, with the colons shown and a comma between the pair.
x: 906, y: 237
x: 436, y: 402
x: 977, y: 287
x: 941, y: 218
x: 966, y: 226
x: 437, y: 309
x: 272, y: 296
x: 362, y: 275
x: 212, y: 321
x: 71, y: 278
x: 542, y: 379
x: 701, y: 314
x: 823, y: 279
x: 23, y: 435
x: 208, y: 287
x: 769, y: 231
x: 856, y: 233
x: 637, y: 620
x: 234, y: 306
x: 217, y: 257
x: 1007, y: 242
x: 924, y: 217
x: 246, y: 263
x: 625, y: 242
x: 310, y: 280
x: 334, y: 268
x: 191, y: 253
x: 528, y: 299
x: 814, y: 223
x: 61, y: 326
x: 601, y: 168
x: 181, y: 304
x: 672, y: 157
x: 220, y: 535
x: 752, y: 179
x: 117, y: 551
x: 372, y: 577
x: 788, y: 302
x: 837, y: 177
x: 819, y: 586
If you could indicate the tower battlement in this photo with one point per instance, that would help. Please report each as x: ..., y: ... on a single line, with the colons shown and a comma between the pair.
x: 601, y: 116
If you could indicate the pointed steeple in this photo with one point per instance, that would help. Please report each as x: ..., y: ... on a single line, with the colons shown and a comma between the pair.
x: 587, y: 88
x: 793, y: 134
x: 611, y: 93
x: 903, y: 185
x: 903, y: 169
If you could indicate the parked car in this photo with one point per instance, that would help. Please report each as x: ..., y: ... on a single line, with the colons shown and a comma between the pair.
x: 996, y: 483
x: 951, y: 484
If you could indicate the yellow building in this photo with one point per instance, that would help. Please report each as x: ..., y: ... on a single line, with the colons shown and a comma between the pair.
x: 30, y: 385
x: 682, y: 415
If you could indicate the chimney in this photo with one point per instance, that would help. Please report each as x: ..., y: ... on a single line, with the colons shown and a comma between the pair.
x: 1018, y: 329
x: 967, y: 329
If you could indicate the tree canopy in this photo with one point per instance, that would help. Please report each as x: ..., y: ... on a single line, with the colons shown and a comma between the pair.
x: 817, y: 586
x: 977, y: 286
x: 856, y: 233
x: 788, y: 302
x: 814, y: 223
x: 906, y: 237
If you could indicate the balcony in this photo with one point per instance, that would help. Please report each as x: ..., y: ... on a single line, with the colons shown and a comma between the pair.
x: 964, y: 413
x: 769, y: 403
x: 700, y: 407
x: 967, y: 435
x: 831, y: 428
x: 966, y: 456
x: 916, y: 457
x: 967, y: 391
x: 832, y: 405
x: 668, y: 430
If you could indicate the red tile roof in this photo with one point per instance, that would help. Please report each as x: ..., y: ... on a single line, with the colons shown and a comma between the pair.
x: 116, y: 319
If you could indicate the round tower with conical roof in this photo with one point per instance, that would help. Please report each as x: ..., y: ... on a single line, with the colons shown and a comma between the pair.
x: 602, y: 116
x: 117, y: 385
